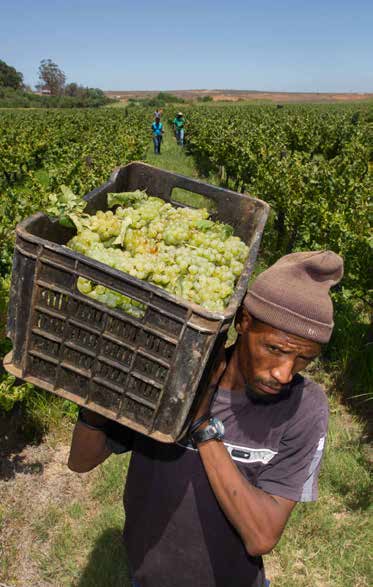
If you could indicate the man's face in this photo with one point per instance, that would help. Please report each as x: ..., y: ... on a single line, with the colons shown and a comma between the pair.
x: 269, y: 358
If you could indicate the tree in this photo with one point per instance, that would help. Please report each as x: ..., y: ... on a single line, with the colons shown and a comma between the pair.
x: 52, y: 77
x: 10, y: 77
x: 72, y: 89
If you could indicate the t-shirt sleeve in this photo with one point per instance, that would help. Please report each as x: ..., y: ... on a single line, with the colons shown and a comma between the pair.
x: 119, y: 438
x: 293, y: 471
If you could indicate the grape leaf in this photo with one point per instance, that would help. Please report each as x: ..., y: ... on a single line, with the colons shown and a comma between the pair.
x: 126, y: 198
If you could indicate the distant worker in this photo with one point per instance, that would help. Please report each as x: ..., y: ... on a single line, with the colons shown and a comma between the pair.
x: 178, y: 123
x: 157, y: 129
x: 158, y: 113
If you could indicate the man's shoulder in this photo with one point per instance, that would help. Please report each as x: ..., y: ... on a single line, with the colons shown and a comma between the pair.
x: 310, y: 395
x: 312, y: 391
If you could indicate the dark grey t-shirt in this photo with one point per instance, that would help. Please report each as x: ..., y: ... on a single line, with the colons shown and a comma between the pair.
x: 176, y: 532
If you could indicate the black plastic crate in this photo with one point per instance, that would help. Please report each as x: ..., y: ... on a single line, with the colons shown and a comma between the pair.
x: 145, y: 373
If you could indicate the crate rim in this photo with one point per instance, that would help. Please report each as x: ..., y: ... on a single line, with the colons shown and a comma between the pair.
x: 197, y: 181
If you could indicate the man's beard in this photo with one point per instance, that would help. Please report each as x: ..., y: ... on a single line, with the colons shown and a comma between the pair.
x: 266, y: 398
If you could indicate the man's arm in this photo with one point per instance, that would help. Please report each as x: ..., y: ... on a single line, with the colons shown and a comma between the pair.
x: 258, y: 517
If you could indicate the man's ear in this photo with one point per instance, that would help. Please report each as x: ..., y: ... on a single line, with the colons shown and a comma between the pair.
x: 243, y: 320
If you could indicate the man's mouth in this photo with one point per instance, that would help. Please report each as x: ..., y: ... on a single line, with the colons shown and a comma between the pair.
x: 264, y: 388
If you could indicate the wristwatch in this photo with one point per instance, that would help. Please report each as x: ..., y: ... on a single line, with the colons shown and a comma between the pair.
x: 213, y: 431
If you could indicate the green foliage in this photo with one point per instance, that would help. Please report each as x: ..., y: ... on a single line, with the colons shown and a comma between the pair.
x: 351, y: 347
x: 311, y: 164
x: 158, y: 101
x: 10, y: 77
x: 39, y: 153
x: 43, y: 411
x: 89, y: 98
x: 65, y: 206
x: 92, y: 94
x: 204, y: 99
x: 12, y: 392
x: 4, y: 296
x: 166, y: 98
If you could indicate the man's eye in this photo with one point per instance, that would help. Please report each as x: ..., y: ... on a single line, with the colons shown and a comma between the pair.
x: 273, y: 349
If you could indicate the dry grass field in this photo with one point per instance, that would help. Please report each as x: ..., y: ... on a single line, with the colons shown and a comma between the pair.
x: 236, y: 95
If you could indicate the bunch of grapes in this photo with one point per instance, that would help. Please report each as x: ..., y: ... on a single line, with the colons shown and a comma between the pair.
x: 178, y: 249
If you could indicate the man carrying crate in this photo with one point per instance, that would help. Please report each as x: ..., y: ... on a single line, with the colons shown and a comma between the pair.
x: 202, y: 512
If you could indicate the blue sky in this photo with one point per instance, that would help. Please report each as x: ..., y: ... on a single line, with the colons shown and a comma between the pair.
x: 271, y: 45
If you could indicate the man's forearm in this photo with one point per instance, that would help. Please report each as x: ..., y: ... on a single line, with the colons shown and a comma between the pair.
x: 257, y: 516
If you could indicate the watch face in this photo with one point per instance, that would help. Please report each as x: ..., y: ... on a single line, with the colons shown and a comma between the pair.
x: 218, y: 425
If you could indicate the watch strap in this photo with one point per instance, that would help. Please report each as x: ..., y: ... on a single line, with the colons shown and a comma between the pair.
x: 213, y: 431
x: 197, y: 423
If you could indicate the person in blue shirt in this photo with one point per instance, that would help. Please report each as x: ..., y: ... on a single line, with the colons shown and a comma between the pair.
x: 157, y: 129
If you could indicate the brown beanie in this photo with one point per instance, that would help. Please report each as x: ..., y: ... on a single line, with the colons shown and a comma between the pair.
x: 293, y: 294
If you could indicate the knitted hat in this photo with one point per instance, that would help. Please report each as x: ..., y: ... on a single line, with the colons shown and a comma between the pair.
x: 293, y: 294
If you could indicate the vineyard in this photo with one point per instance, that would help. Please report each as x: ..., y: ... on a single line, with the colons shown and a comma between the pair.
x: 40, y: 151
x: 313, y: 164
x: 310, y: 162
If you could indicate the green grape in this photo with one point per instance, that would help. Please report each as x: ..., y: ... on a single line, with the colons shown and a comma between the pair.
x: 178, y: 249
x: 83, y: 241
x: 84, y: 285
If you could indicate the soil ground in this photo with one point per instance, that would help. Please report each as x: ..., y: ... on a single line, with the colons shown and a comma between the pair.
x: 32, y: 480
x: 235, y: 95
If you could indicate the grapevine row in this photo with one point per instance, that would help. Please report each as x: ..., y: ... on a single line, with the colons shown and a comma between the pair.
x: 311, y: 163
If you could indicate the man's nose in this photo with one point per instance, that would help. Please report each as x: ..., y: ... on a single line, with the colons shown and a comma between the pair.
x: 283, y: 372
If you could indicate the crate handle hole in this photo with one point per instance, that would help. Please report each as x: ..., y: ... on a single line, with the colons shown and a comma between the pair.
x: 192, y: 199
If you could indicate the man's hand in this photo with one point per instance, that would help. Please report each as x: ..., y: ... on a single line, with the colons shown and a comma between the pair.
x: 88, y: 447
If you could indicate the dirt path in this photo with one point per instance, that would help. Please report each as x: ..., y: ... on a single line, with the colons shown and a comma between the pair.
x: 34, y: 479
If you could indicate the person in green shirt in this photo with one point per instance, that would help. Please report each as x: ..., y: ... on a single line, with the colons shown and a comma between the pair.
x: 178, y: 123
